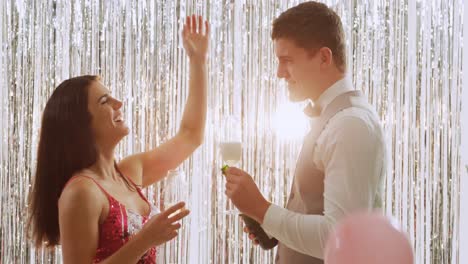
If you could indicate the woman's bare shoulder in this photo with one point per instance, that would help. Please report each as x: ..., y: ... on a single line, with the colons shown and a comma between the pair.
x: 81, y: 191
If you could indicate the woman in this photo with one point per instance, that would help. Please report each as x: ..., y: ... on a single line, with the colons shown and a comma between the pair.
x: 84, y: 200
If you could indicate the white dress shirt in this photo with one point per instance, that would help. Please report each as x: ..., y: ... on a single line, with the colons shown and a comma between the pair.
x: 351, y: 151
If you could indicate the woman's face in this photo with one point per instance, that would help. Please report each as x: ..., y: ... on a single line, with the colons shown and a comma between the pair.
x: 107, y: 121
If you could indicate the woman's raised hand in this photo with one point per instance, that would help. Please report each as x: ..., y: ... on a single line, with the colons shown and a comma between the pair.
x: 195, y: 37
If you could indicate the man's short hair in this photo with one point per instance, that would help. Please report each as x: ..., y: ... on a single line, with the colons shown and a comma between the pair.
x: 312, y: 25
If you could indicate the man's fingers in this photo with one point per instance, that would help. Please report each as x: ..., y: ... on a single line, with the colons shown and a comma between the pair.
x: 228, y: 193
x: 232, y: 178
x: 230, y: 186
x: 235, y: 171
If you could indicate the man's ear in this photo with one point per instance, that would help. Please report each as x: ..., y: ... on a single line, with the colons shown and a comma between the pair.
x: 326, y: 56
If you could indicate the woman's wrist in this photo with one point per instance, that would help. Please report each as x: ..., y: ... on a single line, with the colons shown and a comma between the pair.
x: 143, y: 240
x: 197, y: 60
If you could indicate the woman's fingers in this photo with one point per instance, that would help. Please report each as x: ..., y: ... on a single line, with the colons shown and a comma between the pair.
x: 207, y: 28
x: 194, y: 24
x: 200, y: 25
x: 165, y: 214
x: 188, y: 23
x: 175, y: 226
x: 178, y: 215
x: 172, y: 235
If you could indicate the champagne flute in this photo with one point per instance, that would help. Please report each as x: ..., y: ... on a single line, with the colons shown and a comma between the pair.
x: 231, y: 152
x: 230, y: 147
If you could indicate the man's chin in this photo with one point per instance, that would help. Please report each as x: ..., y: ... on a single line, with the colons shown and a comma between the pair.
x: 295, y: 98
x: 292, y: 93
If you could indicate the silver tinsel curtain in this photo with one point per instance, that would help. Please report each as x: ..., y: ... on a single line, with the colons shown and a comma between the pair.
x: 405, y: 55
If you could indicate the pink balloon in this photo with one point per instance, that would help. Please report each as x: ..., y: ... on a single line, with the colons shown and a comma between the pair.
x: 368, y: 238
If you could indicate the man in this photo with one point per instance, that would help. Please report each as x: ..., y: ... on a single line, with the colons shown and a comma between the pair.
x: 343, y: 158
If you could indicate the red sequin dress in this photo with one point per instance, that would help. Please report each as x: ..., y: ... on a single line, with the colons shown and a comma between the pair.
x: 120, y: 225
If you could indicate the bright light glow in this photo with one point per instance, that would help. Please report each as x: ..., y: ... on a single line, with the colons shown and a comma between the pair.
x: 290, y: 122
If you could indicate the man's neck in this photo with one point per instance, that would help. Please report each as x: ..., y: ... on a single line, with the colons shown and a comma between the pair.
x: 326, y: 83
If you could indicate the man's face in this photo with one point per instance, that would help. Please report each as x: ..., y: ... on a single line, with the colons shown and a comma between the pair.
x: 298, y: 67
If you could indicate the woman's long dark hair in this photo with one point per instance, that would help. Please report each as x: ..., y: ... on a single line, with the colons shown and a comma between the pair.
x: 66, y: 146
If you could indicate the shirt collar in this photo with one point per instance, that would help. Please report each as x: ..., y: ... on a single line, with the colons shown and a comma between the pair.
x: 340, y: 87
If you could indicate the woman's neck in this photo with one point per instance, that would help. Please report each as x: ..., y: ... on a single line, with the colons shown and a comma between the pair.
x: 104, y: 167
